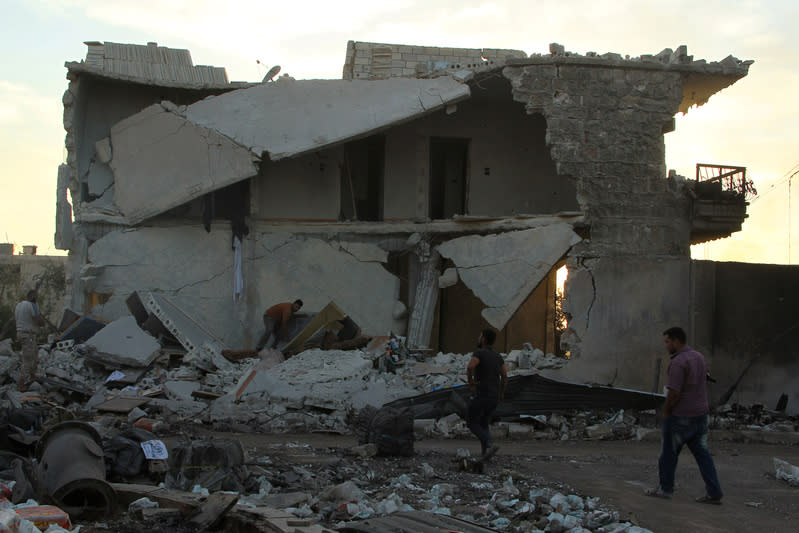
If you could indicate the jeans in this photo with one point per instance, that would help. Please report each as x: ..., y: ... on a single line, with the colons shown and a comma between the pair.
x: 29, y: 361
x: 478, y: 418
x: 269, y: 338
x: 690, y: 430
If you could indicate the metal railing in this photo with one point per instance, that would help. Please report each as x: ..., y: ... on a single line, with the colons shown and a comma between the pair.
x: 732, y: 178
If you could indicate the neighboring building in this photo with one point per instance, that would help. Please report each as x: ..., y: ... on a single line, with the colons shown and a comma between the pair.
x: 24, y: 271
x: 431, y: 192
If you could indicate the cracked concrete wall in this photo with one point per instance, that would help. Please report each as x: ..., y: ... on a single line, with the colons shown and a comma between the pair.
x: 194, y: 270
x: 305, y: 187
x: 629, y: 280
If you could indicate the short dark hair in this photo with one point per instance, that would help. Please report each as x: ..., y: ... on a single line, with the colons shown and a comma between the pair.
x: 30, y: 294
x: 298, y: 302
x: 676, y: 333
x: 489, y: 335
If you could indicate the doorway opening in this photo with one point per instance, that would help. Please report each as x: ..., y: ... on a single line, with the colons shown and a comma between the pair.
x: 448, y: 176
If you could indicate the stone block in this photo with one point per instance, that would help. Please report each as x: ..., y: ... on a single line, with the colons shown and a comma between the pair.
x: 124, y: 343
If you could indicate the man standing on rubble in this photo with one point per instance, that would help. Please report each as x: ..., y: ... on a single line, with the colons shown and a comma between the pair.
x: 685, y: 418
x: 487, y: 378
x: 276, y: 320
x: 28, y: 319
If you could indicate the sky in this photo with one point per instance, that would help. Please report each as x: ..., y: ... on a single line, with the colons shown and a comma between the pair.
x: 753, y: 123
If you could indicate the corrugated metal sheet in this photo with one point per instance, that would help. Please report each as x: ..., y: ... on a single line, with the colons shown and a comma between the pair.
x: 414, y: 522
x: 529, y: 395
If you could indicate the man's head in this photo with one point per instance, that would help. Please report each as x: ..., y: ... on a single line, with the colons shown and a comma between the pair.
x: 487, y: 337
x: 31, y: 295
x: 297, y: 305
x: 674, y: 338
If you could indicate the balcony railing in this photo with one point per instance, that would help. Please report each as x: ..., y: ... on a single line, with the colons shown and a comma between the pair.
x: 731, y: 178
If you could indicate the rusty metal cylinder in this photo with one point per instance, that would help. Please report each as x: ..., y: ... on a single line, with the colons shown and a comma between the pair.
x: 71, y: 470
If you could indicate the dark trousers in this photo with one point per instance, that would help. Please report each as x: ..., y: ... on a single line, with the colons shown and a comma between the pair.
x: 269, y: 338
x: 478, y: 418
x: 691, y: 431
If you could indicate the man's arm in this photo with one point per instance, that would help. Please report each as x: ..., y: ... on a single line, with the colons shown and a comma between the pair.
x: 37, y: 316
x: 470, y: 373
x: 672, y: 398
x: 503, y: 380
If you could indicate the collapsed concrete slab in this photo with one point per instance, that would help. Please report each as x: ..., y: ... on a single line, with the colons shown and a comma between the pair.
x: 200, y: 343
x: 157, y: 142
x: 502, y: 270
x: 290, y: 117
x: 124, y: 343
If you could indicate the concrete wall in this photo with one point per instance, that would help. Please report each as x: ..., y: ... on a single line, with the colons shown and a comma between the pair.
x: 629, y: 279
x: 194, y: 269
x: 303, y: 188
x: 510, y: 168
x: 747, y: 314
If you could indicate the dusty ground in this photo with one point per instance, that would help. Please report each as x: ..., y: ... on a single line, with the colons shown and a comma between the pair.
x: 615, y: 471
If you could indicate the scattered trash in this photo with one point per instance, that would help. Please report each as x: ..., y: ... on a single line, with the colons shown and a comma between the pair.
x: 786, y: 472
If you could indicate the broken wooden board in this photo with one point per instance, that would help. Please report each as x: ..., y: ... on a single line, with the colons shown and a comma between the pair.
x: 186, y: 502
x: 213, y: 510
x: 270, y: 520
x: 121, y: 404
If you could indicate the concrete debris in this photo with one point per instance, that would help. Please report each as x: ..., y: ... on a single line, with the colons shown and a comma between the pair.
x: 786, y: 472
x: 123, y: 343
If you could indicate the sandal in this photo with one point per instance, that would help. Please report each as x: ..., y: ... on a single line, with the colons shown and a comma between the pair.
x: 658, y: 493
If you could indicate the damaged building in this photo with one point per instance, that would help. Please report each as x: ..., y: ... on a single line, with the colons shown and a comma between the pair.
x: 430, y: 192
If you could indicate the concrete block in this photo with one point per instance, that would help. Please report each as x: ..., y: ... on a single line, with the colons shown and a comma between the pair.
x: 124, y: 343
x: 180, y: 390
x: 103, y: 150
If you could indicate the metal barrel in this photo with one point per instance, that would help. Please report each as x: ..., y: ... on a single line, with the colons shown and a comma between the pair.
x: 71, y: 470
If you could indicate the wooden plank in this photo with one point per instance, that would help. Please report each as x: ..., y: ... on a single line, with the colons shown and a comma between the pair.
x: 213, y: 509
x: 121, y: 404
x: 187, y: 502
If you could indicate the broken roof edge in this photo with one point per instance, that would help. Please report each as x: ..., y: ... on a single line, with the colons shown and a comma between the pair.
x: 729, y: 66
x: 80, y: 67
x: 399, y: 227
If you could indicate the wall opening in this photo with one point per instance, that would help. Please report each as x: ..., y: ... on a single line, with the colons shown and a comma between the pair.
x: 459, y: 319
x: 559, y: 318
x: 448, y: 176
x: 362, y: 179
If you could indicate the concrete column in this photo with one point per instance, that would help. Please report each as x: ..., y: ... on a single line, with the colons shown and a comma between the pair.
x: 423, y: 309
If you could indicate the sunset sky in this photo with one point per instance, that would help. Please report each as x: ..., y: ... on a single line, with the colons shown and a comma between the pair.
x: 753, y: 123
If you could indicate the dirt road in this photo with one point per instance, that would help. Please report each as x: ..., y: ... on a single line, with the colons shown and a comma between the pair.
x: 617, y: 472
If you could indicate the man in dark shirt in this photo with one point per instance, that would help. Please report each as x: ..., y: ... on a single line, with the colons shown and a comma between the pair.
x: 487, y: 379
x: 685, y: 418
x: 276, y: 320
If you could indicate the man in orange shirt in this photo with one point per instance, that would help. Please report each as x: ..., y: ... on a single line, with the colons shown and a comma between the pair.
x: 276, y: 320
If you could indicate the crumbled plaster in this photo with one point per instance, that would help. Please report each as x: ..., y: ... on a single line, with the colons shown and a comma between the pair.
x: 502, y: 270
x: 124, y: 343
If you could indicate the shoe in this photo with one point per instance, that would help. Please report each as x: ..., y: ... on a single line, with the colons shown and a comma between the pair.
x: 658, y: 493
x: 708, y: 499
x: 490, y: 452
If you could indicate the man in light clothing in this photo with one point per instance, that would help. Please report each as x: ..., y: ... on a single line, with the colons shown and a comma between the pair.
x: 28, y: 320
